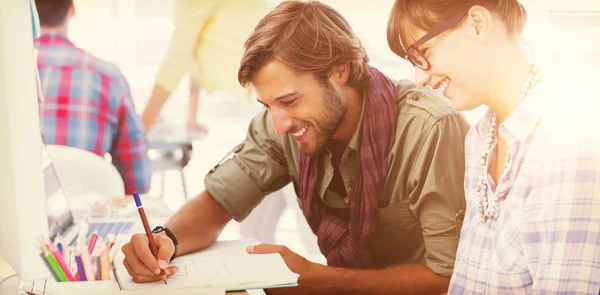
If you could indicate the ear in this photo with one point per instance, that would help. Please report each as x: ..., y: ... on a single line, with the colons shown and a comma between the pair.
x: 71, y: 10
x: 339, y: 74
x: 479, y: 22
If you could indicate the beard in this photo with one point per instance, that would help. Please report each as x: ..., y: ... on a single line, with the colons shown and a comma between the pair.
x: 327, y: 122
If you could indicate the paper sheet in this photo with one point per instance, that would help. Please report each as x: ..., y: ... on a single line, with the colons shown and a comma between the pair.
x: 225, y: 264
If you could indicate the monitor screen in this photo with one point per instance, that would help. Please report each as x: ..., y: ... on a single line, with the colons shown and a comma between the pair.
x: 60, y: 218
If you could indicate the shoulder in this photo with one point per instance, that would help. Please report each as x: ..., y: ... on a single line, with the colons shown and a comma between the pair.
x: 420, y: 110
x: 421, y: 102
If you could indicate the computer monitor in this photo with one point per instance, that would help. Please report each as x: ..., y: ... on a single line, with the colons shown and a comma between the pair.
x: 60, y: 217
x: 22, y: 200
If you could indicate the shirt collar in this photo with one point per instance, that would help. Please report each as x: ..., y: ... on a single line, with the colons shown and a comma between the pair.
x: 53, y: 38
x: 357, y: 136
x: 522, y: 121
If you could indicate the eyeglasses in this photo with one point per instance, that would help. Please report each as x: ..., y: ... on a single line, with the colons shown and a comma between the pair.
x: 415, y: 56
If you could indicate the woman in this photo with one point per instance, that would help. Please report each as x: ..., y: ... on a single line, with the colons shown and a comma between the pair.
x: 532, y: 180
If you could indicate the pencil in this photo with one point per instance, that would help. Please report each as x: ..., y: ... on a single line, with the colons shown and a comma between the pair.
x: 92, y: 243
x: 52, y: 272
x: 104, y: 265
x: 153, y: 247
x: 54, y: 265
x: 80, y: 269
x: 60, y: 259
x: 87, y: 264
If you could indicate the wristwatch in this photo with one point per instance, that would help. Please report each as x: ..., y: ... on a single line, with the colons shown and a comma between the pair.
x: 171, y: 236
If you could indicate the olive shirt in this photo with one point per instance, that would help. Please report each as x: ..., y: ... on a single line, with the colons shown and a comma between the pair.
x: 422, y: 205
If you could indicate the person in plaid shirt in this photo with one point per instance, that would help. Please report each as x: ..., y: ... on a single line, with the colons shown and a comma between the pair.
x: 532, y: 178
x: 87, y: 102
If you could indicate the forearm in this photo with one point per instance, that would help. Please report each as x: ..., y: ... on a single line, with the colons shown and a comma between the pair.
x: 158, y: 98
x: 198, y: 223
x: 402, y: 279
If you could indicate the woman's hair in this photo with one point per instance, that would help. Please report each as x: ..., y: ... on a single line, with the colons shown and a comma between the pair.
x: 427, y: 14
x: 309, y: 37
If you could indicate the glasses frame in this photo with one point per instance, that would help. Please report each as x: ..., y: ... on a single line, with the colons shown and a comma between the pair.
x: 413, y: 53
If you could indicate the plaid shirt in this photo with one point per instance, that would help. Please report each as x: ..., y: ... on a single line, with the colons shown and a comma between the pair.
x: 547, y: 237
x: 87, y: 104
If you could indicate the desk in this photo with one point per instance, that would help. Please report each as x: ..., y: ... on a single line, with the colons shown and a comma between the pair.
x: 10, y: 286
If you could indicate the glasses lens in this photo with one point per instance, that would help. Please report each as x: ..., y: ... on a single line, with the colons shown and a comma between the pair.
x: 417, y: 59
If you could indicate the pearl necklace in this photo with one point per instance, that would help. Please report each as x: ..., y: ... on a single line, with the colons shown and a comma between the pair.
x: 489, y: 208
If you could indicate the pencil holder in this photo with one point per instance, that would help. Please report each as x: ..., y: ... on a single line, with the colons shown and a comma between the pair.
x: 51, y: 287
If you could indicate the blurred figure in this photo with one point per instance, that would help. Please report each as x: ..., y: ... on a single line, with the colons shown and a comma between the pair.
x: 87, y: 102
x: 207, y: 43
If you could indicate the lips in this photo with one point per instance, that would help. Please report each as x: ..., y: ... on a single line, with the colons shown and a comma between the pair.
x: 441, y: 87
x: 300, y: 132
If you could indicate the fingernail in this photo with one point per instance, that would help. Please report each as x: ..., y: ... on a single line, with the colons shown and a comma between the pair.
x: 171, y: 270
x: 163, y: 264
x: 250, y: 248
x: 157, y: 272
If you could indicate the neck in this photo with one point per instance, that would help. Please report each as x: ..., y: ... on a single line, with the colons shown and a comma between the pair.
x: 353, y: 109
x: 62, y: 29
x: 510, y: 79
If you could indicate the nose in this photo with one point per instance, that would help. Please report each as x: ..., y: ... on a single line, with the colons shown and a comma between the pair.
x: 281, y: 120
x: 421, y: 77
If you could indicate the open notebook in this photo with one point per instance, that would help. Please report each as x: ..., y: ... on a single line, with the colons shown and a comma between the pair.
x: 225, y: 264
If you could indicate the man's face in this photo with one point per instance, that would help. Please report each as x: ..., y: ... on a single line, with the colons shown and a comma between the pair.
x: 308, y: 110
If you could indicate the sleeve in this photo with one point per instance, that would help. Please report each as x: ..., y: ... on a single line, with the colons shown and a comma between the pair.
x: 561, y: 222
x: 129, y: 150
x: 437, y: 193
x: 250, y: 171
x: 190, y: 18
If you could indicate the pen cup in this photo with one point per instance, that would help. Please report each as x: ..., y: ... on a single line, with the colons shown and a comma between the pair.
x: 50, y: 287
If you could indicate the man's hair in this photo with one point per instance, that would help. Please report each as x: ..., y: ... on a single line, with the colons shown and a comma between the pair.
x: 310, y: 37
x: 52, y: 13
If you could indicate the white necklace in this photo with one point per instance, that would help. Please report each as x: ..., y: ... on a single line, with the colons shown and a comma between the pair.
x: 489, y: 208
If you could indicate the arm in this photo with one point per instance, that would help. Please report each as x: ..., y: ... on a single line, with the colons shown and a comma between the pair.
x: 436, y: 187
x: 129, y: 149
x: 187, y: 26
x: 320, y: 279
x: 198, y: 223
x: 254, y: 169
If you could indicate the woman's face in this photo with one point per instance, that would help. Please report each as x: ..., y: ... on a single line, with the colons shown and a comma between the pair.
x: 460, y: 62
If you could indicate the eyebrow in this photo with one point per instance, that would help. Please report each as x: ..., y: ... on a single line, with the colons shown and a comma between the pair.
x: 279, y: 97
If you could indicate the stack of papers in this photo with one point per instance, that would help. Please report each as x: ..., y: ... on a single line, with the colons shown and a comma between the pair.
x: 227, y: 265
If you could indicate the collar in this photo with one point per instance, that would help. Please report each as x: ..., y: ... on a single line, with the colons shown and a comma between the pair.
x: 522, y: 121
x: 53, y: 38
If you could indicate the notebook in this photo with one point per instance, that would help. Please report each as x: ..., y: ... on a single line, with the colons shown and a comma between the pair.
x: 225, y: 264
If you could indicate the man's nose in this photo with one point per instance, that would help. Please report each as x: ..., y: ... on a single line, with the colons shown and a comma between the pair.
x: 282, y: 121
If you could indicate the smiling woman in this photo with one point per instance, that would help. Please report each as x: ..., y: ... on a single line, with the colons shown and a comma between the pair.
x: 521, y: 215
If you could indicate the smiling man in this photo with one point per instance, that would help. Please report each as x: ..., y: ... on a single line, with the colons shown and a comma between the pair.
x: 377, y: 165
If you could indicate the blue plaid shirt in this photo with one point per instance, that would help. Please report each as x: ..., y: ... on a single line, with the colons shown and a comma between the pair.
x: 87, y: 104
x: 547, y: 237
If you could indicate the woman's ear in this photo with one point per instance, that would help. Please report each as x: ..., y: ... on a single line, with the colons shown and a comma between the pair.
x: 479, y: 21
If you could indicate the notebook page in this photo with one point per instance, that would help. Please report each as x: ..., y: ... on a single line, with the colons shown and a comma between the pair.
x: 231, y: 272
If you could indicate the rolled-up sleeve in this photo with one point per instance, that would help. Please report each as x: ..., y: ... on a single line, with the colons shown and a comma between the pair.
x: 250, y: 171
x: 438, y: 199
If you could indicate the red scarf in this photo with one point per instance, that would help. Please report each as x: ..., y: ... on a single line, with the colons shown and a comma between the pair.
x: 343, y: 243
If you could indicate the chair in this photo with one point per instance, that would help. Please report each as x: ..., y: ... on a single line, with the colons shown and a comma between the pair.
x: 82, y: 171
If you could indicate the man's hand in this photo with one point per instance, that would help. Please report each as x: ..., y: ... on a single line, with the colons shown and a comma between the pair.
x: 141, y: 264
x: 308, y: 271
x: 294, y: 262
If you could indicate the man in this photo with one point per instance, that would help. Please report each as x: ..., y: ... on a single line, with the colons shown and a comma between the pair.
x: 378, y: 168
x: 87, y: 103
